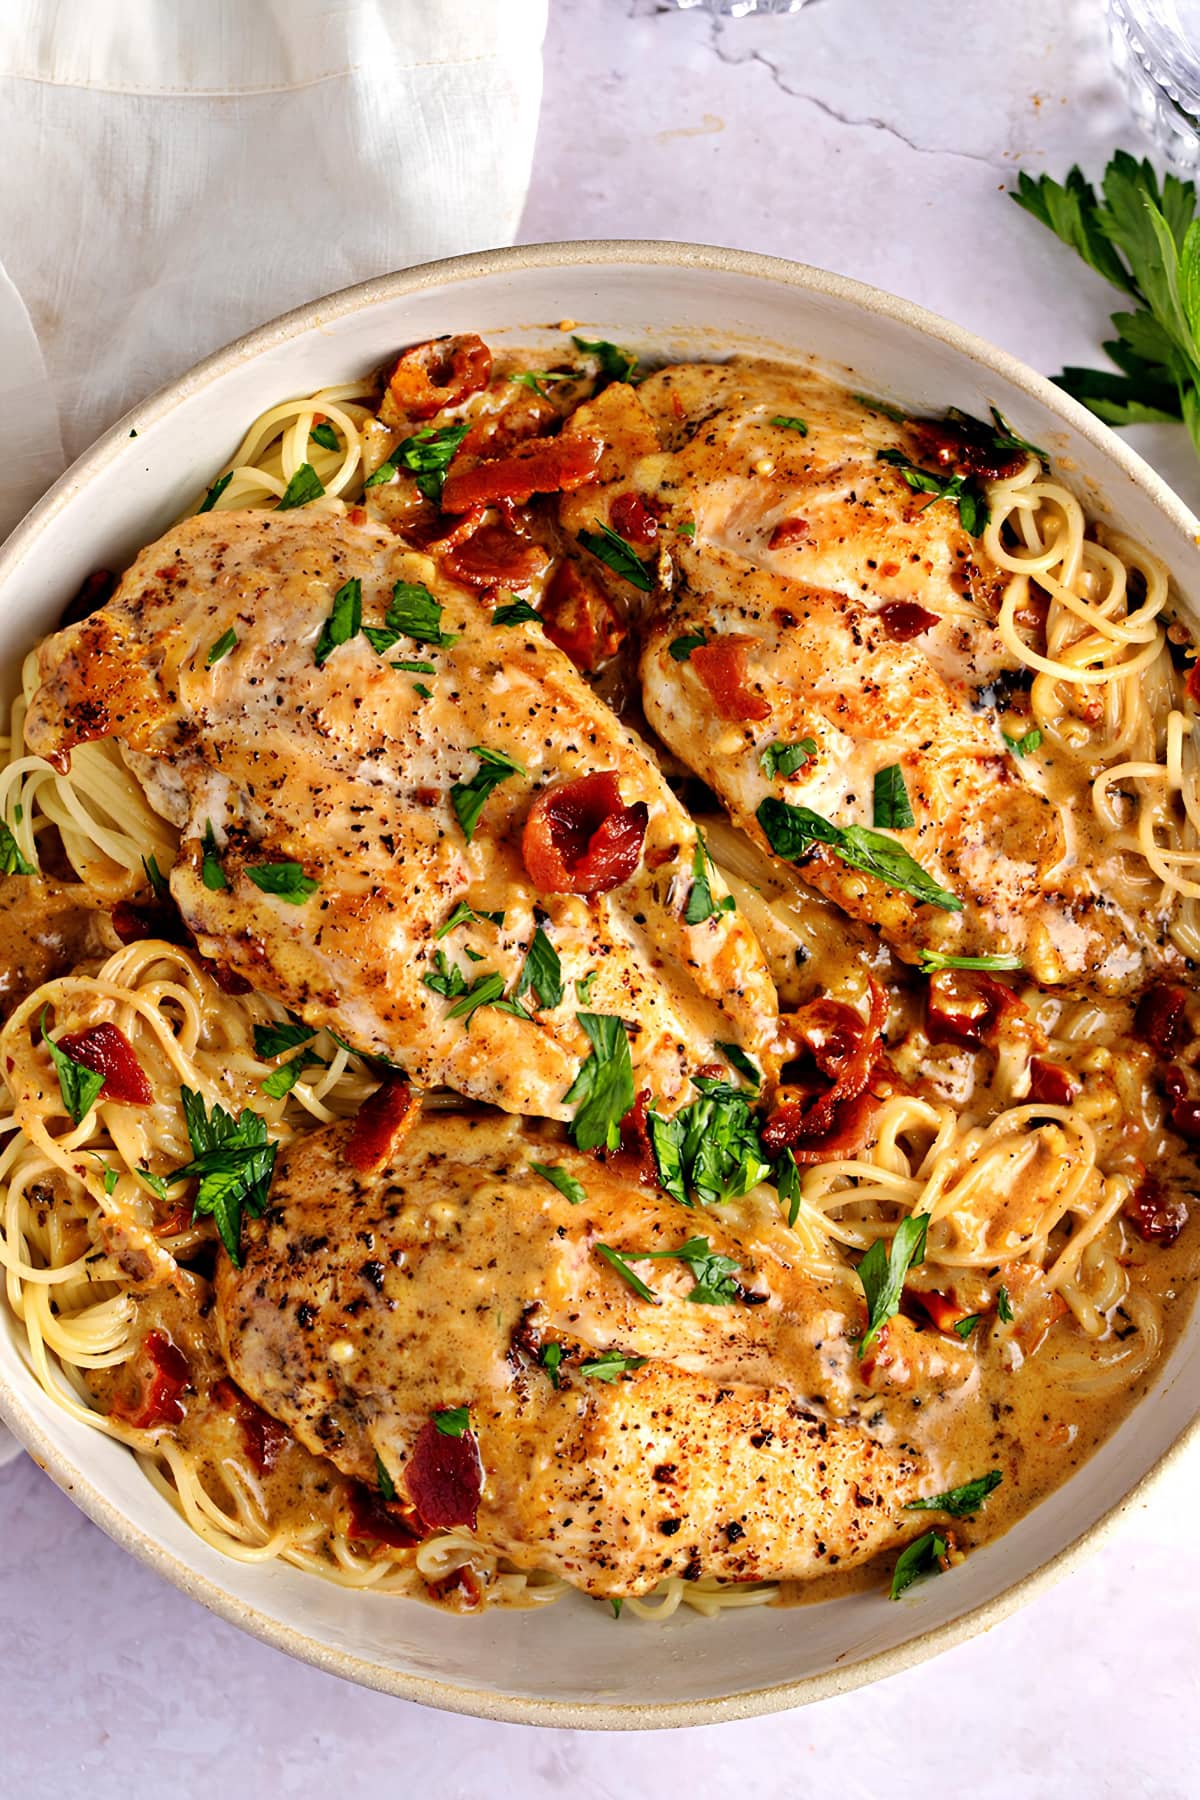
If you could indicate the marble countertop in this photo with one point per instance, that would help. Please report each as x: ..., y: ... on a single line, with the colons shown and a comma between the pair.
x: 876, y: 140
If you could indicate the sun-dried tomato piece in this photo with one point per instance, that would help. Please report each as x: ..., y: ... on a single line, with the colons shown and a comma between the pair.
x: 444, y: 1478
x: 848, y: 1131
x: 382, y: 1123
x: 382, y: 1521
x: 443, y: 372
x: 966, y: 1007
x: 264, y: 1438
x: 580, y: 619
x: 463, y: 1582
x: 789, y: 531
x: 904, y: 619
x: 721, y: 666
x: 493, y: 556
x: 943, y: 1310
x: 965, y: 447
x: 1183, y: 1110
x: 1052, y: 1083
x: 106, y: 1050
x: 539, y: 466
x: 580, y: 837
x: 1160, y: 1019
x: 828, y: 1117
x: 1155, y: 1217
x: 631, y: 518
x: 636, y: 1149
x: 163, y: 1373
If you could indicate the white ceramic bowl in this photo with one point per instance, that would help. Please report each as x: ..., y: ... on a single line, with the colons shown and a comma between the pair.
x: 573, y: 1664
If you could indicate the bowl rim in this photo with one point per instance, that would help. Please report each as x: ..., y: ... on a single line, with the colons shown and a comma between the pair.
x: 449, y: 1696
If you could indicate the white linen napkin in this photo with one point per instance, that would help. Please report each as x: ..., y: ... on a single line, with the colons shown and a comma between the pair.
x: 174, y: 175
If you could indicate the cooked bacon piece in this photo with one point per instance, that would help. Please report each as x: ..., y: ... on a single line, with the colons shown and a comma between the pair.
x: 721, y: 666
x: 637, y: 1152
x: 383, y: 1521
x: 1160, y: 1018
x: 263, y: 1437
x: 580, y: 838
x: 1051, y: 1083
x: 163, y: 1372
x: 965, y: 447
x: 632, y: 519
x: 904, y: 619
x: 788, y: 531
x: 579, y: 619
x: 828, y: 1117
x: 383, y: 1122
x: 106, y: 1050
x: 539, y: 466
x: 493, y: 556
x: 943, y: 1310
x: 444, y: 1477
x: 135, y: 921
x: 849, y: 1131
x: 441, y: 373
x: 1183, y: 1112
x: 1156, y: 1218
x: 492, y: 434
x: 966, y: 1008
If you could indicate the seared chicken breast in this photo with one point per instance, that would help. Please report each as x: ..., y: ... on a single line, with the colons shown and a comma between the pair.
x: 353, y: 806
x: 621, y: 1439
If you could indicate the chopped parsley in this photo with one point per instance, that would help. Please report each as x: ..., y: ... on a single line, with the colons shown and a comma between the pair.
x: 304, y: 486
x: 542, y: 972
x: 466, y: 915
x: 583, y: 987
x: 80, y: 1087
x: 710, y: 1148
x: 343, y: 623
x: 286, y: 880
x: 612, y: 1364
x: 786, y: 759
x: 224, y: 644
x: 964, y: 1327
x: 926, y: 1555
x: 233, y: 1160
x: 12, y: 862
x: 1024, y: 746
x: 215, y: 491
x: 882, y: 1270
x: 551, y: 1358
x: 516, y: 612
x: 156, y: 878
x: 789, y: 423
x: 384, y: 1482
x: 686, y: 530
x: 453, y: 1421
x: 385, y: 472
x: 325, y: 435
x: 282, y: 1080
x: 736, y: 1057
x: 786, y: 1177
x: 615, y: 364
x: 1004, y: 1311
x: 533, y: 379
x: 932, y: 960
x: 616, y: 1607
x: 485, y: 990
x: 700, y: 904
x: 448, y: 979
x: 792, y: 830
x: 159, y: 1185
x: 111, y: 1178
x: 568, y: 1187
x: 962, y: 491
x: 468, y: 797
x: 892, y: 809
x: 276, y: 1039
x: 602, y: 1092
x: 1005, y: 438
x: 428, y: 454
x: 415, y: 668
x: 610, y: 548
x: 884, y: 407
x: 413, y: 613
x: 616, y: 1261
x: 211, y: 873
x: 713, y: 1274
x: 680, y: 648
x: 422, y: 691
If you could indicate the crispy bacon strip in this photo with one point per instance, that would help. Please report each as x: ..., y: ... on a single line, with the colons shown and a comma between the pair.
x: 163, y: 1374
x: 721, y: 666
x: 494, y: 556
x: 580, y: 838
x: 538, y: 466
x: 579, y: 619
x: 384, y: 1121
x: 827, y: 1038
x: 443, y: 372
x: 106, y: 1050
x: 382, y: 1521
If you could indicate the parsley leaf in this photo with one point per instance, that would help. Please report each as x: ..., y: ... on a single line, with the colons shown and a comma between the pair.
x: 882, y: 1270
x: 485, y: 990
x: 414, y: 613
x: 468, y: 797
x: 453, y: 1421
x: 325, y: 435
x: 616, y: 1607
x: 602, y: 1092
x: 551, y: 1358
x: 533, y: 378
x: 964, y: 1327
x: 680, y: 648
x: 274, y: 1039
x: 542, y: 972
x: 712, y: 1273
x: 449, y: 979
x: 211, y: 873
x: 620, y: 1263
x: 710, y: 1148
x: 610, y: 548
x: 737, y: 1058
x: 282, y: 1080
x: 790, y: 424
x: 583, y: 987
x: 883, y: 407
x: 154, y: 875
x: 215, y: 491
x: 304, y: 486
x: 700, y: 904
x: 615, y: 364
x: 1004, y: 1311
x: 234, y: 1161
x: 792, y: 830
x: 934, y: 959
x: 612, y: 1364
x: 343, y: 623
x: 786, y: 759
x: 428, y: 454
x: 385, y: 472
x: 516, y: 612
x: 224, y: 644
x: 12, y: 862
x: 80, y: 1087
x: 963, y: 490
x: 686, y: 530
x: 893, y: 810
x: 111, y: 1178
x: 1005, y: 438
x: 786, y: 1177
x: 466, y: 915
x: 568, y: 1187
x: 285, y: 879
x: 1024, y: 746
x: 924, y: 1556
x: 383, y: 1481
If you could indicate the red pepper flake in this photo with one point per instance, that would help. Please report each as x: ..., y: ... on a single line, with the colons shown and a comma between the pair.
x: 538, y: 466
x: 382, y: 1123
x: 1160, y: 1019
x: 441, y: 373
x: 107, y: 1051
x: 1155, y: 1218
x: 580, y: 838
x: 163, y: 1373
x: 444, y: 1478
x: 904, y: 619
x: 721, y: 666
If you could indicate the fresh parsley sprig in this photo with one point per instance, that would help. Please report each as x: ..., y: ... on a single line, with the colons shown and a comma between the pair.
x: 962, y: 490
x: 700, y: 903
x: 710, y: 1149
x: 602, y: 1092
x: 610, y: 548
x: 883, y: 1269
x: 792, y: 831
x: 960, y: 1502
x: 932, y: 960
x: 233, y: 1160
x: 79, y: 1086
x: 468, y: 797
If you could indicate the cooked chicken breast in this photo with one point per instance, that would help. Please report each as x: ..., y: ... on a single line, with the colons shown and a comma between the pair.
x: 367, y: 1304
x: 827, y: 604
x: 315, y: 787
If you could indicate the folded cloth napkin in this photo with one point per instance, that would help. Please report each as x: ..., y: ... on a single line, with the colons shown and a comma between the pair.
x: 175, y: 175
